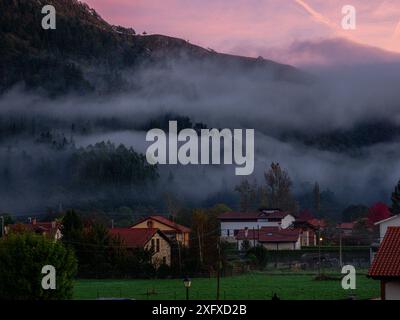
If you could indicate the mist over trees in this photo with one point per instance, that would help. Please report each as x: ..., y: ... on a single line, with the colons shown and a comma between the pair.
x: 64, y: 94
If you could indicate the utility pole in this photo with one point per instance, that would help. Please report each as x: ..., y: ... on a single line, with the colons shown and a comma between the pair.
x: 319, y: 251
x: 218, y: 267
x: 340, y: 249
x: 179, y: 256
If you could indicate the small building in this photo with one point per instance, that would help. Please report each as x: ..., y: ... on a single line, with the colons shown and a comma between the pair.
x: 308, y: 233
x: 232, y: 222
x: 318, y: 223
x: 175, y: 231
x: 346, y: 228
x: 147, y: 239
x: 272, y: 238
x: 51, y: 229
x: 393, y: 221
x: 386, y: 265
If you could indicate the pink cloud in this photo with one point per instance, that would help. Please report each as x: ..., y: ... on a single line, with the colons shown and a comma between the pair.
x: 229, y: 25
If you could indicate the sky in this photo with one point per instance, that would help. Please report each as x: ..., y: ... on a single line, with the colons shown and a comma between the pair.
x: 249, y: 27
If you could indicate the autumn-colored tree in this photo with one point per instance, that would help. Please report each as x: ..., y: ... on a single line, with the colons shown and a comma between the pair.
x: 378, y: 211
x: 199, y: 227
x: 205, y: 234
x: 278, y: 188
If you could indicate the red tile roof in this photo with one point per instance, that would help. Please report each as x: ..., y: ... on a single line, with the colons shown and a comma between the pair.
x: 318, y: 223
x: 167, y: 222
x: 134, y: 238
x: 346, y: 225
x: 276, y: 214
x: 49, y: 228
x: 236, y: 215
x: 387, y: 261
x: 270, y: 234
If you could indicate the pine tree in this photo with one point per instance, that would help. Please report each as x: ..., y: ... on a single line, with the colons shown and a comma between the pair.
x: 395, y: 209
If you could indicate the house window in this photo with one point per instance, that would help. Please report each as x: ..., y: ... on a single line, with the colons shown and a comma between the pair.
x: 150, y: 224
x: 164, y: 260
x: 158, y: 245
x: 152, y: 244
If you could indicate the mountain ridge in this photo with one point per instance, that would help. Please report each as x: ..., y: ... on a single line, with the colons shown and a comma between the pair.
x: 56, y: 60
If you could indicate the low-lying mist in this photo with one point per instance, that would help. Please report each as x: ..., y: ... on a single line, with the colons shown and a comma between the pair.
x: 39, y: 134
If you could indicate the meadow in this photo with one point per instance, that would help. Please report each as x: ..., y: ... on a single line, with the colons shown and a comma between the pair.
x: 254, y: 286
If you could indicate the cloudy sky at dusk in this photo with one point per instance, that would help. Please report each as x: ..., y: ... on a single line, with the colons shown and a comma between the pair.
x: 251, y: 27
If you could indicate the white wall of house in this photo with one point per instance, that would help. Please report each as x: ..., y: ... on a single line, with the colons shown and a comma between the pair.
x: 392, y: 290
x: 283, y: 245
x: 274, y: 246
x: 228, y: 228
x: 394, y: 222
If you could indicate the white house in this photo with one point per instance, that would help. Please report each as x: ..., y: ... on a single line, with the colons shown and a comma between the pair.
x: 389, y: 222
x: 231, y: 222
x: 386, y: 265
x: 272, y: 238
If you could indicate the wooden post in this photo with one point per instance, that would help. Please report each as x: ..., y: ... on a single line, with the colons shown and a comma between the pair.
x: 383, y: 291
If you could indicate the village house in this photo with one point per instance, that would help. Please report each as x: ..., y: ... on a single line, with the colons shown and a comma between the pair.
x: 232, y: 222
x: 51, y: 229
x: 318, y: 223
x: 346, y: 228
x: 393, y: 221
x: 386, y: 265
x: 272, y: 238
x: 174, y: 231
x: 308, y: 233
x: 148, y: 239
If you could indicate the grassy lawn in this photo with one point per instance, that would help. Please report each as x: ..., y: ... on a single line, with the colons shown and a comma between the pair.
x: 249, y: 286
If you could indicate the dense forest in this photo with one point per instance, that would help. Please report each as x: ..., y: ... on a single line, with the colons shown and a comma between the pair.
x: 76, y: 103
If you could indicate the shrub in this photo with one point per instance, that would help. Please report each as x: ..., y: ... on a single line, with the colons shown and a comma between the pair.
x: 22, y: 257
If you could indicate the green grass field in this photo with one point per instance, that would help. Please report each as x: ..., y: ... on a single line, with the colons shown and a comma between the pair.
x: 250, y: 286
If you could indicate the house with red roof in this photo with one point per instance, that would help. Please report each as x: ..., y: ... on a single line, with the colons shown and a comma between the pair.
x: 386, y: 265
x: 51, y: 229
x: 175, y: 231
x: 308, y: 233
x: 318, y: 223
x: 148, y: 239
x: 272, y: 238
x: 346, y: 228
x: 233, y: 221
x: 393, y: 221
